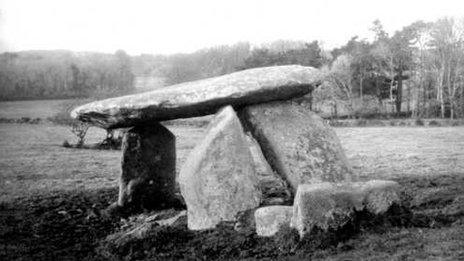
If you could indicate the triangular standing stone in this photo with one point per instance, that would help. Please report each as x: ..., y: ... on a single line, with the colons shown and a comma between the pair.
x: 219, y: 180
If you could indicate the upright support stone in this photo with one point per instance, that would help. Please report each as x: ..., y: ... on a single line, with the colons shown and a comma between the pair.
x: 218, y: 181
x: 296, y: 143
x: 148, y: 168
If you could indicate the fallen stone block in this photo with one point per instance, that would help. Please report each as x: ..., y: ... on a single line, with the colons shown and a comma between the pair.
x: 324, y: 206
x: 330, y: 206
x: 269, y: 219
x: 380, y: 195
x: 296, y: 142
x: 218, y: 179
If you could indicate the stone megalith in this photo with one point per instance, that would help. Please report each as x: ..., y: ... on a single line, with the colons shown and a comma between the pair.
x: 380, y: 195
x: 298, y: 145
x: 330, y: 206
x: 325, y: 206
x: 201, y: 97
x: 218, y: 179
x: 148, y: 168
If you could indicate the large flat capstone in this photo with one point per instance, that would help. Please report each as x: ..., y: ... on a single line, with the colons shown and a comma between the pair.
x: 201, y: 97
x: 218, y: 181
x: 298, y: 145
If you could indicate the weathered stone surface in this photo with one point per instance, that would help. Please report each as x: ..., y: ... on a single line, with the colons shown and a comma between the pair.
x: 298, y: 145
x: 275, y: 190
x: 332, y: 205
x: 325, y: 206
x: 219, y: 180
x: 270, y: 219
x: 380, y: 195
x: 201, y: 97
x: 148, y: 168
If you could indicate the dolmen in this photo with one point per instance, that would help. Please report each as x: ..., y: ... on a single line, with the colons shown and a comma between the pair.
x: 266, y: 157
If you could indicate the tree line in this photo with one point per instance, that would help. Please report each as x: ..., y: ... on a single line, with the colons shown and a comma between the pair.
x: 63, y: 74
x: 417, y: 71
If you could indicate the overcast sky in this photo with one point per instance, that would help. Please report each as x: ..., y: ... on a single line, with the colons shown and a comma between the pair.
x: 170, y: 26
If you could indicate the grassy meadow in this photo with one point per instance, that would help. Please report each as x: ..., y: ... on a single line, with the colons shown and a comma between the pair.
x: 50, y: 196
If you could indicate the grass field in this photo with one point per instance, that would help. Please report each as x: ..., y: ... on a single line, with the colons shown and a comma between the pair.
x: 32, y: 159
x: 31, y: 109
x: 49, y: 194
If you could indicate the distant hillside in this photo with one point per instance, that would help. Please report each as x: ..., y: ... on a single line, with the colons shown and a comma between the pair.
x: 63, y: 74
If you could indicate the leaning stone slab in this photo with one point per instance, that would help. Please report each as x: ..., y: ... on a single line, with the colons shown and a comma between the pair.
x: 298, y: 145
x: 325, y: 206
x: 218, y: 179
x: 275, y: 190
x: 270, y: 219
x: 148, y: 168
x: 201, y: 97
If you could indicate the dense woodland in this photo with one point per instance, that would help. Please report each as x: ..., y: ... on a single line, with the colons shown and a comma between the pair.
x: 415, y: 72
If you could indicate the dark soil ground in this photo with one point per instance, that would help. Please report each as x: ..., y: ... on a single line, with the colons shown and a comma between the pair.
x: 67, y: 225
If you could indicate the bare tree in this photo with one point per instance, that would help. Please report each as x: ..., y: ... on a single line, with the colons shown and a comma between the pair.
x: 80, y: 130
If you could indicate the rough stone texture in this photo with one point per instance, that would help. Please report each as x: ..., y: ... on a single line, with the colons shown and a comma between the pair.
x: 201, y: 97
x: 297, y: 143
x: 325, y: 206
x: 148, y: 168
x: 270, y: 219
x: 332, y: 205
x: 380, y: 195
x: 245, y: 221
x: 275, y: 190
x: 218, y: 179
